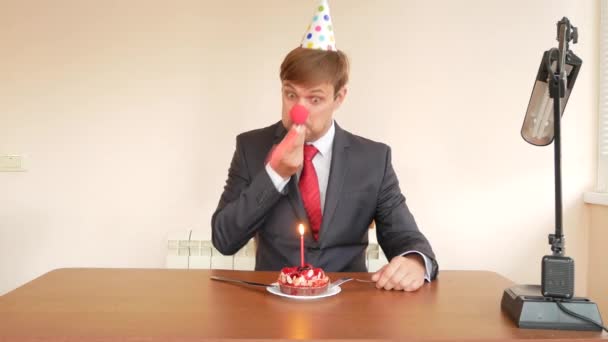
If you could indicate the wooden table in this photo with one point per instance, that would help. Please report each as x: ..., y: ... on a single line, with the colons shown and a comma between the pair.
x: 185, y: 305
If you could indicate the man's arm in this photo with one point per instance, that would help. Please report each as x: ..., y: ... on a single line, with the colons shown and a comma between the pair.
x: 246, y: 201
x: 397, y: 231
x: 242, y: 206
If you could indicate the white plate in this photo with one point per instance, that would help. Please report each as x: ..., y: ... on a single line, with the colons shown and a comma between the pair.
x: 332, y: 291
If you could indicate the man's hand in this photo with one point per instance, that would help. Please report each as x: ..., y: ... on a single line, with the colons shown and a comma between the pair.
x: 288, y: 156
x: 402, y: 273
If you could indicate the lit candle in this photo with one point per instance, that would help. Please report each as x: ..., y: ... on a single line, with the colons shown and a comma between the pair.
x: 301, y: 229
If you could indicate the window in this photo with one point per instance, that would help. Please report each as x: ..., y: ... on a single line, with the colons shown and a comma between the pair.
x: 600, y: 196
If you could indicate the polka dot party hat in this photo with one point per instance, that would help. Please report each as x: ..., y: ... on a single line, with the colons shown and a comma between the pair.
x: 320, y: 33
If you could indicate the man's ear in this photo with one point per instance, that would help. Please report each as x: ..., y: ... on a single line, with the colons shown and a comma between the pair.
x: 340, y: 96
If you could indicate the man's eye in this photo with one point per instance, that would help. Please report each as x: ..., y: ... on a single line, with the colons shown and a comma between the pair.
x: 291, y: 96
x: 316, y: 100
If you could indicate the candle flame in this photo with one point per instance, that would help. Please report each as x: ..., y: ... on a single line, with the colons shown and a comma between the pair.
x: 301, y: 229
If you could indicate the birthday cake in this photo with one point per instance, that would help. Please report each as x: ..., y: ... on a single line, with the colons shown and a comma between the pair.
x: 303, y: 281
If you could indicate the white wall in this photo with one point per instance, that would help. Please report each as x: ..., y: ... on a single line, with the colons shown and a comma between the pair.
x: 127, y: 111
x: 598, y: 265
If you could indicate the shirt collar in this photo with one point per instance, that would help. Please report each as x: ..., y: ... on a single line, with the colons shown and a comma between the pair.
x: 324, y: 143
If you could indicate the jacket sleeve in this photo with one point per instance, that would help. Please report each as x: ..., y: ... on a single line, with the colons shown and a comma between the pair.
x: 397, y: 231
x: 243, y: 205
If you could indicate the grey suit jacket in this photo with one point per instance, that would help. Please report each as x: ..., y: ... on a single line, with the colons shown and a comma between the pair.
x: 362, y: 187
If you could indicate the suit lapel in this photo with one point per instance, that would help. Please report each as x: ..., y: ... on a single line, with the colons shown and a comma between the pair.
x: 337, y: 174
x: 293, y: 193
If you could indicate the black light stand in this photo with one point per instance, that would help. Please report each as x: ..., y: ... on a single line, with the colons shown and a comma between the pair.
x: 552, y: 305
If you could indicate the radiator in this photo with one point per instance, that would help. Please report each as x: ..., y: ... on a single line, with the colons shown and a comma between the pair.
x: 190, y: 250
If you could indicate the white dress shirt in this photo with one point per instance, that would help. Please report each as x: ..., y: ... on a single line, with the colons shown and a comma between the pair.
x: 322, y: 164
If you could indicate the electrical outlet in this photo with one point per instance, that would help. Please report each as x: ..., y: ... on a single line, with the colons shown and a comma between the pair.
x: 11, y: 163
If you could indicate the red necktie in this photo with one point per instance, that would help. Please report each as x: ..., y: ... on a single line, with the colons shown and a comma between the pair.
x: 309, y: 188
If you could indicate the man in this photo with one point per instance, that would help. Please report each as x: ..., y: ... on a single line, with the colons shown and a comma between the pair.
x: 318, y: 174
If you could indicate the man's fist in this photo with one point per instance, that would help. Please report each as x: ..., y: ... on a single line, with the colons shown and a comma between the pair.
x: 404, y: 273
x: 288, y: 156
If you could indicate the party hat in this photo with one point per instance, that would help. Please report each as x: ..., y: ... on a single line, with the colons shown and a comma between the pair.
x: 320, y: 33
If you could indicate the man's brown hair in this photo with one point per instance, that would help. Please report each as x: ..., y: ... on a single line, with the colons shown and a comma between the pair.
x: 308, y: 67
